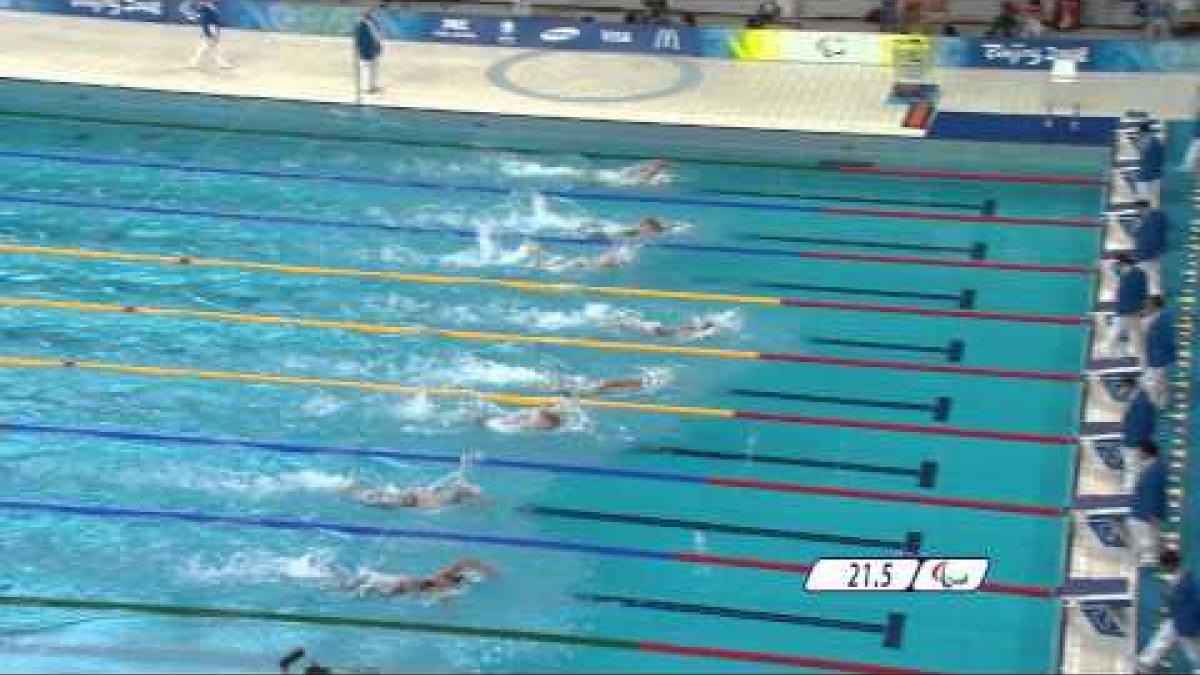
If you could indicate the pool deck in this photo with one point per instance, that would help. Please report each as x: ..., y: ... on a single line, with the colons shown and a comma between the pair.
x: 631, y: 88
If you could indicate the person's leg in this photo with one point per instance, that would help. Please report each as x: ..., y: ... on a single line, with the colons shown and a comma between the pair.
x: 1159, y: 646
x: 1143, y: 541
x: 1153, y: 270
x: 1131, y: 459
x: 219, y: 54
x: 201, y: 52
x: 1154, y: 381
x: 373, y: 66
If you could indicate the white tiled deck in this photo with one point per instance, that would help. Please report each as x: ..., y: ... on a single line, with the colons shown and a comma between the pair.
x: 708, y: 92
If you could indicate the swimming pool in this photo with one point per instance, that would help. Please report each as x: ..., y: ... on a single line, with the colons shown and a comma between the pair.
x: 897, y: 371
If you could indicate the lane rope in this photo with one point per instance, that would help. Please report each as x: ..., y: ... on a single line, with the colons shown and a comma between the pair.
x: 517, y: 338
x: 526, y: 285
x: 527, y: 401
x: 552, y: 467
x: 489, y: 633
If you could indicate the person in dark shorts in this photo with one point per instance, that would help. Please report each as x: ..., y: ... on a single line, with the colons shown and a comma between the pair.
x: 368, y: 45
x: 208, y: 15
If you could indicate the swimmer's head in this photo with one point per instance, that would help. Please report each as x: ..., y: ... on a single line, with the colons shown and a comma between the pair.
x: 1155, y: 303
x: 651, y: 225
x: 1124, y: 260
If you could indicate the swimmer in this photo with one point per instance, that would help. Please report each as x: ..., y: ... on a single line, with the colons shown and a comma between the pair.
x: 542, y: 418
x: 537, y: 257
x: 450, y: 490
x: 693, y: 329
x: 450, y: 580
x: 647, y: 228
x: 652, y: 172
x: 580, y: 386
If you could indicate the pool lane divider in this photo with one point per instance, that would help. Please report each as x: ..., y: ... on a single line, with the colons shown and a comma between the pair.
x: 953, y: 351
x: 892, y: 629
x: 530, y: 286
x: 529, y: 401
x: 518, y: 338
x: 926, y: 472
x: 475, y: 632
x: 851, y: 199
x: 976, y: 251
x: 939, y: 409
x: 596, y: 241
x: 911, y: 543
x: 669, y: 199
x: 119, y: 513
x: 987, y: 177
x: 836, y: 166
x: 964, y: 299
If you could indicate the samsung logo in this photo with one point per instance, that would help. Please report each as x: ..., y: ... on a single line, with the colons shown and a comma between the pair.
x: 560, y: 34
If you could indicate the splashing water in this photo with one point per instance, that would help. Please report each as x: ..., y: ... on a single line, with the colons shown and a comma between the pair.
x: 262, y: 567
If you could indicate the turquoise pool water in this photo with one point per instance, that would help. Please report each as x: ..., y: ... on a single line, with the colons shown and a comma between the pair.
x: 90, y: 174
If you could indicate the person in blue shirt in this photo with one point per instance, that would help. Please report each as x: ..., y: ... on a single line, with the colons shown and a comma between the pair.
x: 368, y: 45
x: 1150, y: 243
x: 1148, y: 505
x: 1138, y: 426
x: 208, y: 15
x: 1152, y: 157
x: 1161, y: 350
x: 1132, y: 291
x: 1182, y: 627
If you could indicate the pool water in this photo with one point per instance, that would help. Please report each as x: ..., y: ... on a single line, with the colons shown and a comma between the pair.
x: 926, y: 319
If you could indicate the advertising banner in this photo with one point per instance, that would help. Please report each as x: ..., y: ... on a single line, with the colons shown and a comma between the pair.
x: 1092, y: 55
x: 806, y: 46
x: 550, y: 33
x: 127, y: 10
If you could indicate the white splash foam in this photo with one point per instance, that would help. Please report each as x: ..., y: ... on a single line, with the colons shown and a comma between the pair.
x: 517, y: 168
x: 592, y: 314
x: 469, y: 370
x: 262, y: 567
x: 322, y: 405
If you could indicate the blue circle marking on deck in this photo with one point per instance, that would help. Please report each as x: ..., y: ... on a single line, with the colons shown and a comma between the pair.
x: 687, y: 76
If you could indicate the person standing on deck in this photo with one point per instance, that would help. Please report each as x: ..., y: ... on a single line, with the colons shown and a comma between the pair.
x: 1160, y: 350
x: 1182, y: 627
x: 1148, y: 506
x: 1138, y: 426
x: 1152, y: 157
x: 368, y: 45
x: 208, y: 15
x: 1132, y: 292
x: 1150, y: 243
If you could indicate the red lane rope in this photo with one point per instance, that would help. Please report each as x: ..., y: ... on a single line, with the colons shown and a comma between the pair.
x: 922, y: 367
x: 972, y: 175
x: 963, y: 218
x: 901, y: 497
x: 944, y: 262
x: 922, y: 311
x: 1046, y: 439
x: 776, y: 659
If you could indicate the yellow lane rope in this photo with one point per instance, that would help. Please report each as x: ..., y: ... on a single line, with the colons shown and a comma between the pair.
x: 501, y: 398
x: 377, y: 329
x: 400, y: 277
